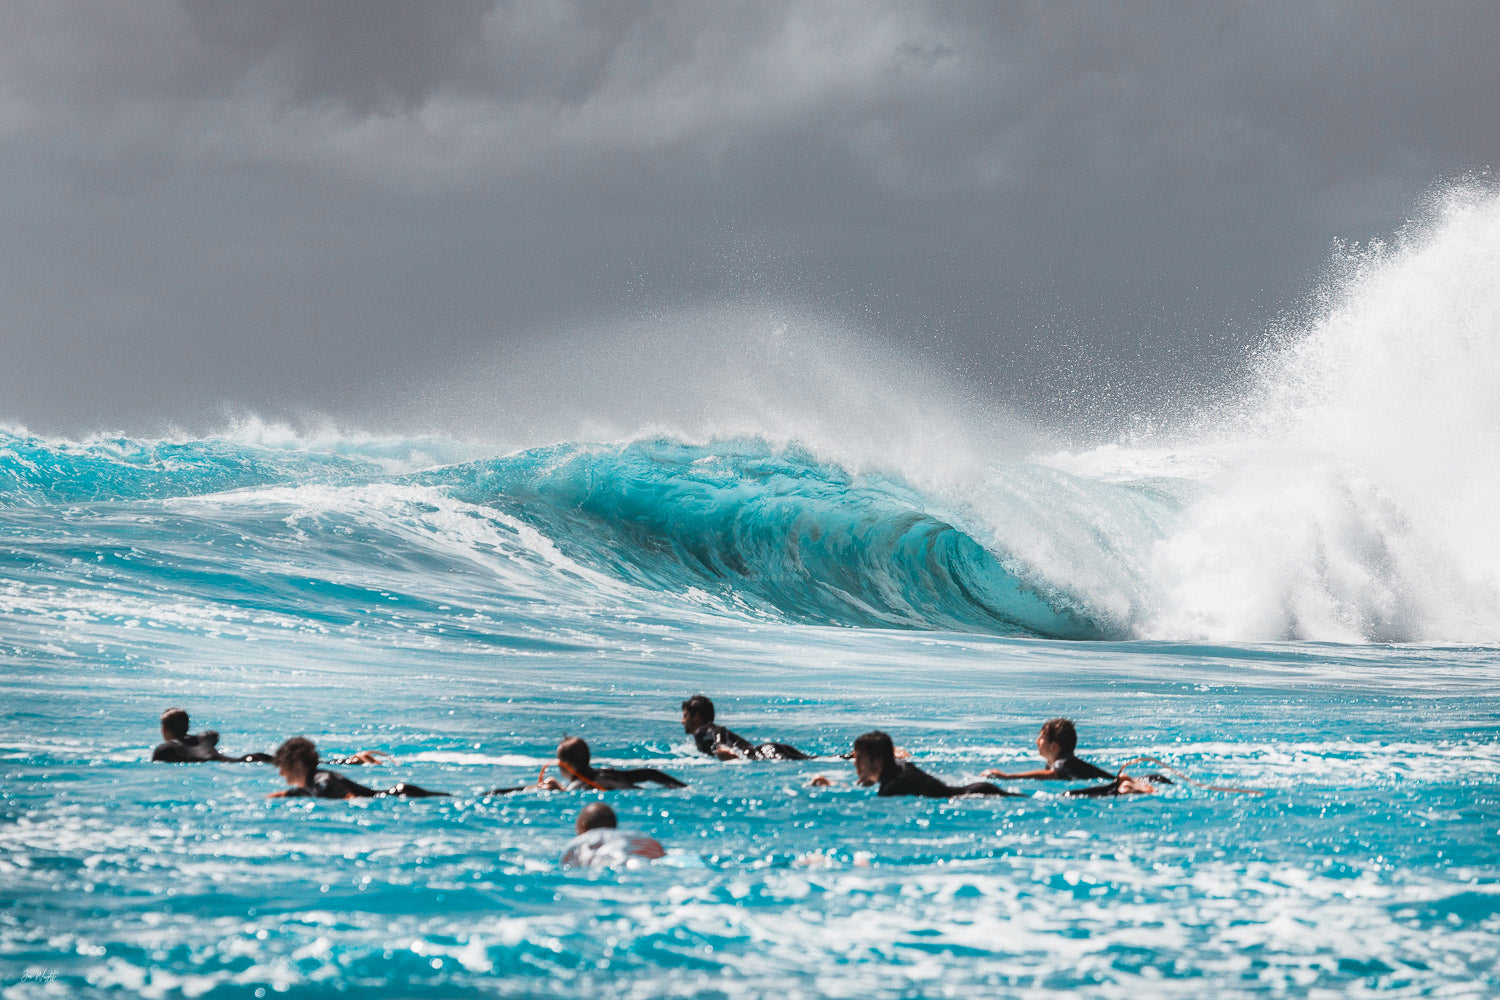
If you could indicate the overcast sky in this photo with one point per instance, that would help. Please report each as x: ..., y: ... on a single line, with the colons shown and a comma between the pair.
x: 291, y: 206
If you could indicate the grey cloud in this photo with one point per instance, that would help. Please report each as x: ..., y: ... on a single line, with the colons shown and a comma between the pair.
x: 386, y: 58
x: 279, y: 204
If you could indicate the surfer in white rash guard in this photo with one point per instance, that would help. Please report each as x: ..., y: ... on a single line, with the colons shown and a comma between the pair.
x: 600, y: 844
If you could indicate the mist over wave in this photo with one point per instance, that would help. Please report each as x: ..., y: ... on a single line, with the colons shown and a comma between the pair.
x: 1346, y: 495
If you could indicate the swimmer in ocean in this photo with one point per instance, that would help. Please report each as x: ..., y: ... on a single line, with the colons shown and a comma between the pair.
x: 1056, y: 743
x: 600, y: 844
x: 573, y: 759
x: 181, y: 747
x: 875, y: 763
x: 297, y: 762
x: 717, y: 741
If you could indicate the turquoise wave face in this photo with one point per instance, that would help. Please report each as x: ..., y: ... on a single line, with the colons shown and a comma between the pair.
x: 34, y: 471
x: 739, y: 527
x: 770, y: 529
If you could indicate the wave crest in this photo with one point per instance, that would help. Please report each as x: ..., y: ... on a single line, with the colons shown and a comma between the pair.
x: 770, y: 529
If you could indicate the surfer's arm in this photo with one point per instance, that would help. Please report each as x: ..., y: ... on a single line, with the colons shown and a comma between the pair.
x: 363, y: 757
x: 1039, y: 775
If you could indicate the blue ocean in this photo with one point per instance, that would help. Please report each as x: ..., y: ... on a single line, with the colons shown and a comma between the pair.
x: 1292, y: 591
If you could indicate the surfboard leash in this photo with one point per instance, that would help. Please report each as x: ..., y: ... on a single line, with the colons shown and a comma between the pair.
x: 1164, y: 765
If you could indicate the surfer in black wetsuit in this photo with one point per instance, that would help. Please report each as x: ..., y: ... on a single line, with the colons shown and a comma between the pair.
x: 1056, y: 743
x: 875, y: 763
x: 297, y: 762
x: 181, y: 747
x: 716, y: 741
x: 573, y: 759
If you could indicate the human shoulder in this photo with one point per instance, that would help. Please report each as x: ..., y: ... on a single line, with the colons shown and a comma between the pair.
x: 332, y: 785
x: 1074, y: 769
x: 170, y: 752
x: 706, y: 737
x: 906, y: 778
x: 607, y: 848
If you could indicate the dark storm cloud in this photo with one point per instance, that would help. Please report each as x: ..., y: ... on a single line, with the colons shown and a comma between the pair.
x: 372, y: 59
x: 282, y: 205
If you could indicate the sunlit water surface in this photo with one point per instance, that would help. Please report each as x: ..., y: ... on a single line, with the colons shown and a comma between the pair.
x: 1368, y: 867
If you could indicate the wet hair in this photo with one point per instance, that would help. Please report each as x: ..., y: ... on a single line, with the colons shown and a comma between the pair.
x: 174, y: 723
x: 595, y: 815
x: 574, y: 753
x: 877, y: 746
x: 699, y: 707
x: 1061, y: 732
x: 298, y: 752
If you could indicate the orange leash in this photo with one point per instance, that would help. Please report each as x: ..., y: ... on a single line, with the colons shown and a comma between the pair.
x: 577, y: 777
x: 1163, y: 764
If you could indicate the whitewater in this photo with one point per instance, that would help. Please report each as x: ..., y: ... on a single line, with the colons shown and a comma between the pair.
x: 1294, y: 586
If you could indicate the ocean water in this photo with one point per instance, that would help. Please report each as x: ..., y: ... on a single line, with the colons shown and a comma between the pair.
x: 1297, y: 593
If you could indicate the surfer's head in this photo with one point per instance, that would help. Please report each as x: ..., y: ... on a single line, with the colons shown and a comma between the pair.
x: 873, y: 753
x: 174, y: 723
x: 696, y: 711
x: 296, y: 759
x: 574, y: 753
x: 595, y: 815
x: 1057, y: 739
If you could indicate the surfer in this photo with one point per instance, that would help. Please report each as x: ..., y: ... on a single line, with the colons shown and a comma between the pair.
x: 875, y: 763
x: 181, y: 747
x: 717, y: 741
x: 1056, y: 743
x: 600, y: 844
x: 297, y: 762
x: 573, y: 759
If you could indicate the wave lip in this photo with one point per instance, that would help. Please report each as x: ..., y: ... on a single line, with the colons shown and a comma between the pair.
x: 769, y: 530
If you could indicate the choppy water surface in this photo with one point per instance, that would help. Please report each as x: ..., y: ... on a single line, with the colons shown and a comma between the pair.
x: 1370, y: 866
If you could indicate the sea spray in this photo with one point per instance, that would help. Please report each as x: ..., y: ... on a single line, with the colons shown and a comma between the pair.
x: 1350, y: 496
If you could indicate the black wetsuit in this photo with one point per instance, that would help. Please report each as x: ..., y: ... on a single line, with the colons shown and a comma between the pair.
x: 612, y: 778
x: 332, y: 785
x: 710, y: 737
x: 198, y: 748
x: 905, y: 778
x: 1072, y: 769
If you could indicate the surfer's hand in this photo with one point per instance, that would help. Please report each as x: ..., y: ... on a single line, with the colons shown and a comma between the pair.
x: 368, y: 757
